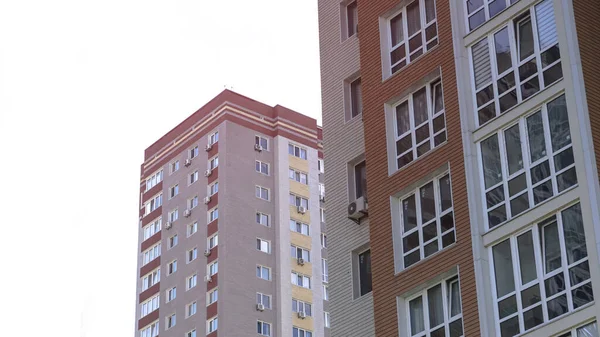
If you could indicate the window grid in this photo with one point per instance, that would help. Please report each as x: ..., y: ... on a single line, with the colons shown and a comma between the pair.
x: 213, y: 215
x: 263, y: 272
x: 192, y: 228
x: 212, y: 297
x: 151, y: 279
x: 213, y: 268
x: 263, y: 299
x: 478, y: 14
x: 301, y: 306
x: 151, y: 254
x: 297, y: 151
x: 263, y: 245
x: 213, y: 188
x: 212, y: 241
x: 262, y: 141
x: 300, y: 253
x: 261, y: 167
x: 171, y: 294
x: 298, y: 176
x: 301, y: 280
x: 299, y: 227
x: 263, y: 328
x: 191, y: 309
x: 298, y: 332
x: 262, y: 219
x: 212, y: 325
x: 262, y: 193
x: 154, y: 180
x: 152, y: 228
x: 192, y: 281
x: 150, y: 331
x: 192, y: 254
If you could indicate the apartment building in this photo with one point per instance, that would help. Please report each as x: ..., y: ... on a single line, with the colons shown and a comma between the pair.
x: 475, y: 118
x: 232, y: 239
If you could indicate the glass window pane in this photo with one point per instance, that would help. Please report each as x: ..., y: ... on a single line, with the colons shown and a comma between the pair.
x: 526, y: 258
x: 590, y: 330
x: 445, y: 192
x: 417, y: 320
x: 420, y: 106
x: 492, y: 167
x: 537, y: 142
x: 513, y: 149
x: 502, y: 45
x: 436, y: 306
x: 402, y: 119
x: 397, y: 31
x: 409, y: 211
x: 525, y: 38
x: 559, y: 123
x: 574, y: 234
x: 413, y: 18
x: 503, y: 268
x: 455, y: 300
x: 551, y: 247
x: 427, y: 203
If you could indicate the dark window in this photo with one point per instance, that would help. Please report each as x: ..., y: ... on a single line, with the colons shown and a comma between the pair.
x: 352, y: 17
x: 360, y: 179
x: 364, y: 271
x: 355, y: 98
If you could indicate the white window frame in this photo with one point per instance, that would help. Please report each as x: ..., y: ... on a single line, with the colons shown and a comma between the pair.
x: 191, y: 282
x: 191, y: 333
x: 212, y: 324
x: 173, y: 191
x: 213, y: 189
x: 262, y: 325
x: 260, y: 269
x: 301, y: 332
x: 154, y: 179
x: 262, y: 141
x: 326, y: 319
x: 172, y: 267
x: 297, y: 176
x: 262, y: 243
x: 297, y: 151
x: 306, y: 280
x: 260, y: 299
x: 193, y: 177
x: 151, y: 330
x: 325, y: 292
x: 173, y: 241
x: 304, y: 227
x: 263, y: 217
x: 299, y: 201
x: 173, y: 215
x: 191, y: 309
x: 212, y: 241
x: 152, y: 228
x: 213, y: 138
x: 323, y: 240
x: 174, y: 166
x: 152, y: 204
x: 325, y: 269
x: 212, y: 296
x: 300, y: 253
x: 301, y: 306
x: 191, y: 255
x: 262, y: 167
x: 321, y: 165
x: 193, y: 202
x: 171, y: 294
x: 260, y: 190
x: 192, y: 229
x: 149, y: 305
x: 193, y: 152
x: 151, y: 279
x: 151, y: 254
x: 213, y: 163
x: 213, y: 214
x: 171, y: 321
x: 212, y: 268
x: 485, y: 7
x: 588, y: 328
x: 322, y: 214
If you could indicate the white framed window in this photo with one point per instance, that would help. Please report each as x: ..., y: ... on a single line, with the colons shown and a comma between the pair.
x: 263, y: 328
x: 300, y: 280
x: 191, y: 281
x: 297, y: 151
x: 151, y: 279
x: 587, y: 330
x: 150, y: 305
x: 297, y: 200
x: 191, y: 309
x: 325, y: 269
x: 171, y: 321
x: 263, y: 245
x: 321, y: 166
x: 213, y: 215
x: 322, y: 213
x: 212, y: 325
x: 326, y: 292
x: 410, y: 33
x: 262, y: 219
x: 351, y: 12
x: 172, y: 267
x: 301, y: 306
x: 151, y: 254
x: 171, y: 294
x: 151, y: 330
x: 173, y: 241
x: 436, y: 310
x: 192, y: 254
x: 213, y: 138
x: 263, y: 299
x: 191, y: 333
x: 193, y: 202
x: 322, y: 191
x: 427, y: 220
x: 478, y: 12
x: 192, y: 228
x: 262, y: 141
x: 263, y: 272
x: 298, y: 332
x: 213, y: 188
x: 193, y: 177
x: 300, y: 253
x: 193, y: 152
x: 298, y: 176
x: 327, y: 319
x: 323, y: 240
x: 515, y: 62
x: 213, y: 268
x: 419, y: 123
x: 173, y: 191
x: 213, y: 163
x: 262, y: 193
x: 541, y: 273
x: 212, y: 241
x: 152, y: 228
x: 299, y: 227
x: 173, y: 215
x: 153, y: 204
x: 212, y: 296
x: 174, y: 166
x: 527, y: 163
x: 261, y: 167
x: 154, y: 180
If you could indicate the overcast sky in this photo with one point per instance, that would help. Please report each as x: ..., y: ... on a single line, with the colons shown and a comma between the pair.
x: 85, y: 87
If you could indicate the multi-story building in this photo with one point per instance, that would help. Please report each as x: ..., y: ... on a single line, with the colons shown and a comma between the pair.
x: 231, y: 241
x: 476, y: 121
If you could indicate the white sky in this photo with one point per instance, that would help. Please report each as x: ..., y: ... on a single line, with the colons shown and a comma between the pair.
x: 85, y: 87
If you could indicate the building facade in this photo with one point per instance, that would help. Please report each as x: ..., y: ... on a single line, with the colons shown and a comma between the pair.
x: 476, y: 120
x: 231, y: 240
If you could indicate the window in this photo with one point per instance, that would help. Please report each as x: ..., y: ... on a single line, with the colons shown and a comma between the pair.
x: 174, y: 166
x: 193, y: 177
x: 325, y: 268
x: 213, y: 215
x: 262, y: 141
x: 327, y: 320
x: 171, y: 320
x: 480, y: 11
x: 323, y: 240
x: 213, y: 138
x: 436, y: 310
x: 150, y: 305
x: 325, y: 292
x: 298, y: 176
x: 351, y: 19
x: 411, y: 32
x: 191, y: 281
x: 297, y: 151
x: 173, y: 191
x: 322, y: 191
x: 172, y: 267
x: 150, y: 331
x: 300, y: 280
x: 419, y: 123
x: 515, y: 62
x: 151, y: 254
x: 262, y: 193
x: 171, y: 294
x: 300, y: 306
x: 154, y: 180
x: 588, y: 330
x: 173, y: 215
x: 355, y: 98
x: 152, y: 204
x: 322, y: 211
x: 427, y: 220
x: 212, y: 241
x: 263, y: 329
x: 299, y: 227
x: 213, y: 189
x: 360, y: 179
x: 191, y: 333
x: 151, y: 279
x: 213, y: 268
x: 263, y: 273
x: 152, y: 228
x: 173, y: 240
x: 300, y: 253
x: 527, y: 163
x: 213, y: 163
x: 193, y: 152
x: 212, y: 296
x: 297, y: 332
x: 212, y: 325
x: 193, y: 202
x: 191, y: 309
x: 263, y: 299
x: 296, y: 200
x: 262, y: 167
x: 192, y: 254
x: 320, y: 165
x: 192, y: 228
x: 263, y: 245
x: 364, y: 272
x: 542, y: 273
x: 262, y: 219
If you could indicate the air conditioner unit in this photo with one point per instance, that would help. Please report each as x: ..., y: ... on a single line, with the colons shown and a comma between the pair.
x: 301, y: 209
x: 358, y: 209
x: 187, y: 213
x: 207, y: 252
x: 260, y: 307
x: 301, y: 315
x: 207, y: 173
x: 169, y: 225
x: 322, y: 198
x: 208, y: 147
x: 188, y: 162
x: 207, y: 278
x: 300, y: 261
x: 258, y: 147
x: 206, y: 200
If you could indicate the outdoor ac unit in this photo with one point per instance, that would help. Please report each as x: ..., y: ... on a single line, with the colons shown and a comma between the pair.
x: 208, y: 147
x: 188, y: 162
x: 357, y: 209
x: 207, y: 173
x: 322, y: 198
x: 187, y: 213
x: 207, y: 252
x: 301, y: 315
x: 260, y: 307
x: 169, y: 225
x: 301, y: 209
x: 207, y: 278
x: 206, y: 200
x: 258, y: 147
x: 300, y: 261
